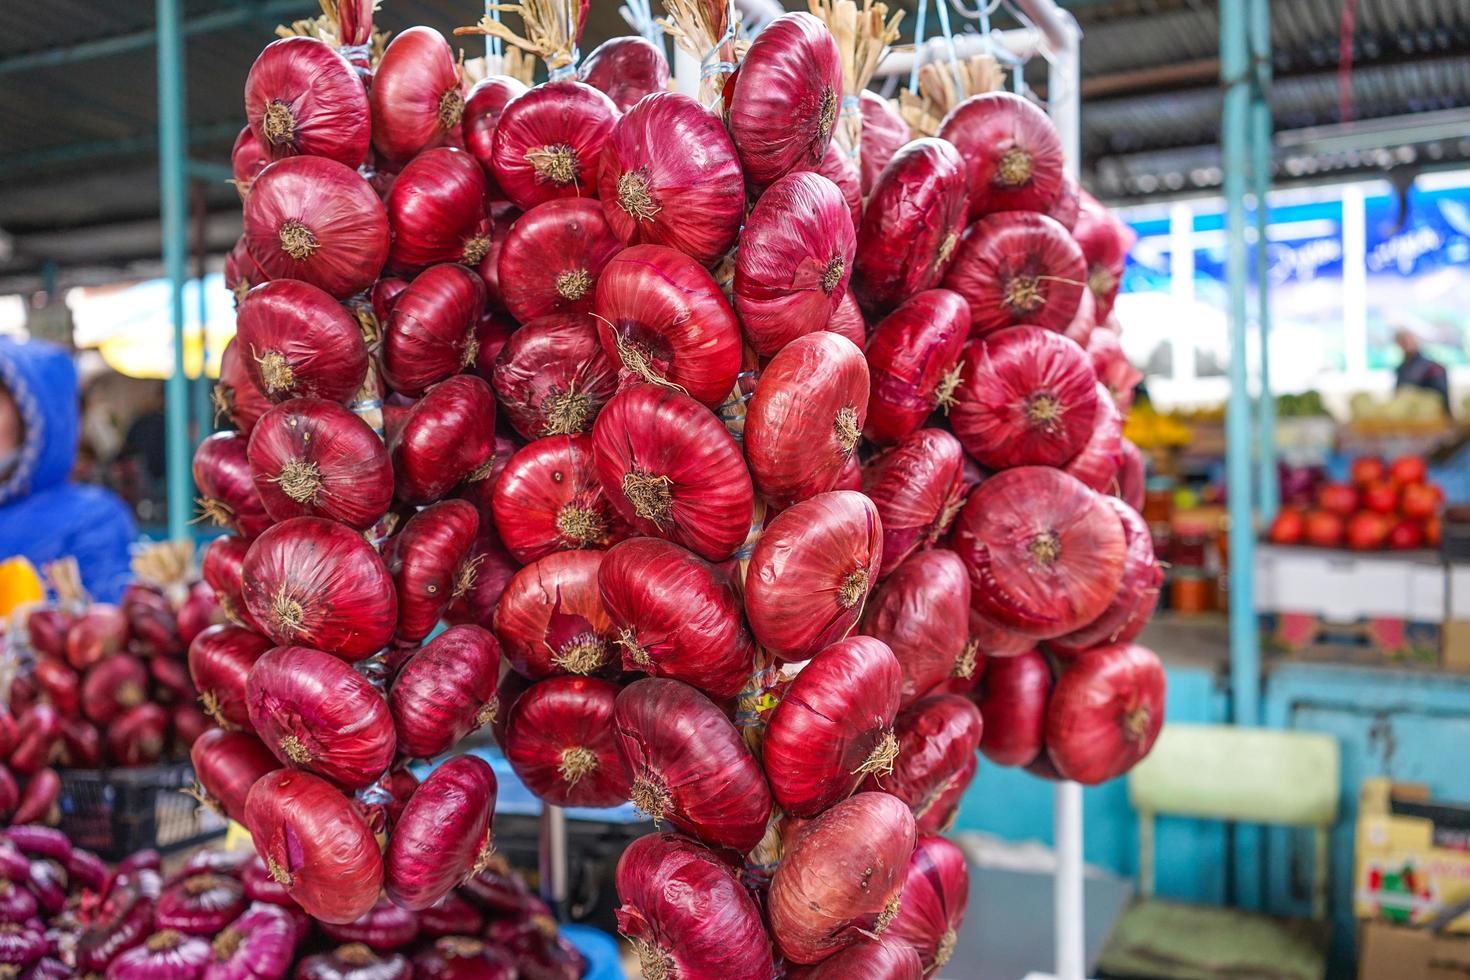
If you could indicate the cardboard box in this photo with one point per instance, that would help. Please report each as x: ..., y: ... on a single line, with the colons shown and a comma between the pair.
x: 1389, y: 952
x: 1456, y: 644
x: 1412, y: 856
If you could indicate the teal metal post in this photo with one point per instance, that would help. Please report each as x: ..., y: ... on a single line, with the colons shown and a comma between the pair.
x: 174, y: 214
x: 199, y: 388
x: 1245, y: 660
x: 1260, y: 129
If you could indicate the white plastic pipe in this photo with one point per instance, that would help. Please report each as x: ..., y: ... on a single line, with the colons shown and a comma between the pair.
x: 1071, y: 952
x: 1021, y: 44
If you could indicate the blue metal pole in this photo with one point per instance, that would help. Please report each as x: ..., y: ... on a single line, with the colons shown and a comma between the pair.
x: 1260, y: 126
x: 199, y: 388
x: 174, y: 208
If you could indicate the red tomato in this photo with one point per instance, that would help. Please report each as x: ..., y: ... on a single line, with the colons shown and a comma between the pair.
x: 1432, y: 531
x: 1337, y: 498
x: 1381, y: 497
x: 1406, y: 536
x: 1420, y: 501
x: 1323, y: 529
x: 1367, y: 531
x: 1368, y: 469
x: 1408, y: 469
x: 1288, y: 527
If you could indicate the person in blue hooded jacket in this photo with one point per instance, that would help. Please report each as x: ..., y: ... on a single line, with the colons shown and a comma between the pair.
x: 43, y: 515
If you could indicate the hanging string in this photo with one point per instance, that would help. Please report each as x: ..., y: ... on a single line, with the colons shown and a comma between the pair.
x: 919, y: 47
x: 954, y: 55
x: 638, y: 14
x: 711, y: 64
x: 494, y: 47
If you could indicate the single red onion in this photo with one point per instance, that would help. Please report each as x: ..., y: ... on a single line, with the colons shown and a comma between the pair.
x: 235, y: 396
x: 227, y: 764
x: 112, y: 686
x: 1105, y: 241
x: 918, y: 488
x: 811, y: 572
x: 220, y: 659
x: 838, y: 167
x: 1026, y: 397
x: 460, y: 958
x: 1017, y: 267
x: 224, y: 559
x: 450, y: 916
x: 786, y: 98
x: 937, y: 738
x: 443, y: 835
x: 841, y: 877
x: 139, y: 736
x: 548, y: 143
x: 1045, y: 554
x: 46, y: 629
x: 549, y: 499
x: 260, y: 943
x: 921, y: 612
x: 936, y: 892
x: 866, y: 959
x: 1096, y: 463
x: 1131, y: 476
x: 445, y: 691
x: 1136, y: 600
x: 354, y: 961
x: 913, y: 360
x: 1012, y: 699
x: 300, y: 342
x: 663, y: 318
x: 313, y: 458
x: 626, y: 69
x: 167, y: 953
x: 153, y: 624
x: 795, y: 258
x: 1012, y: 151
x: 913, y: 223
x: 482, y: 109
x: 560, y: 742
x: 1068, y: 204
x: 61, y: 686
x: 884, y: 133
x: 241, y: 271
x: 314, y: 843
x: 551, y: 620
x: 417, y: 95
x: 39, y: 798
x: 200, y: 611
x: 687, y: 915
x: 552, y: 259
x: 676, y: 615
x: 200, y: 905
x: 314, y: 219
x: 436, y: 211
x: 1105, y: 713
x: 493, y: 570
x: 302, y: 97
x: 803, y: 423
x: 1113, y: 368
x: 447, y: 438
x: 671, y: 470
x: 314, y: 581
x: 248, y: 158
x: 37, y: 731
x: 430, y: 334
x: 427, y: 560
x: 226, y: 493
x: 552, y: 377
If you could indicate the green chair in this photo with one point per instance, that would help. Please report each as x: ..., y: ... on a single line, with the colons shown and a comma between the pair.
x: 1244, y: 775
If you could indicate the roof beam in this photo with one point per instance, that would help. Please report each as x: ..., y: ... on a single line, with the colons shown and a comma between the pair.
x: 127, y: 146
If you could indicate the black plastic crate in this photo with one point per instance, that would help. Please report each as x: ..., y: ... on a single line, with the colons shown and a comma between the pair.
x: 115, y: 812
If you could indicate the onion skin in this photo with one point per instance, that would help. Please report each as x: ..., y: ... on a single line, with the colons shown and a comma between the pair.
x: 296, y: 341
x: 430, y: 335
x: 560, y: 742
x: 226, y: 493
x: 548, y: 143
x: 552, y: 377
x: 662, y: 317
x: 443, y: 835
x: 794, y: 261
x: 314, y: 581
x: 847, y: 321
x: 841, y: 876
x: 625, y: 69
x: 38, y: 799
x: 354, y: 962
x: 1017, y: 268
x: 138, y: 737
x: 689, y: 764
x: 804, y: 422
x: 866, y: 960
x: 921, y: 612
x: 936, y: 892
x: 313, y: 458
x: 61, y: 686
x: 227, y: 764
x: 426, y: 562
x: 918, y: 487
x: 838, y: 167
x: 787, y: 96
x: 688, y: 481
x: 1105, y: 713
x: 1105, y: 241
x: 220, y: 659
x: 166, y: 953
x: 37, y: 732
x: 445, y: 691
x: 811, y: 572
x: 112, y: 686
x: 1131, y: 476
x: 1096, y: 463
x: 684, y: 911
x: 101, y: 630
x: 315, y: 220
x: 200, y: 904
x: 436, y: 210
x: 303, y: 97
x: 833, y: 727
x: 1026, y: 397
x: 463, y: 958
x: 1012, y: 152
x: 223, y: 562
x: 937, y: 737
x: 1012, y: 699
x: 309, y: 835
x: 450, y: 916
x: 551, y: 260
x: 416, y: 95
x: 447, y: 438
x: 655, y: 191
x: 549, y: 499
x: 1067, y: 207
x: 494, y: 568
x: 260, y: 943
x: 913, y: 224
x: 1134, y: 605
x: 912, y: 360
x: 550, y: 619
x: 884, y: 133
x: 248, y: 157
x: 1044, y: 553
x: 1112, y: 367
x: 676, y: 615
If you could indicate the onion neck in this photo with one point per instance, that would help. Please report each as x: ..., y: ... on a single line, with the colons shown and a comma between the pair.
x: 1100, y: 280
x: 289, y: 614
x: 462, y: 947
x: 826, y: 114
x: 655, y: 961
x: 296, y: 750
x: 275, y: 371
x: 947, y: 247
x: 845, y: 425
x: 356, y: 954
x: 164, y: 940
x: 880, y: 761
x: 475, y: 249
x: 949, y: 383
x: 833, y: 274
x: 226, y: 945
x: 451, y: 108
x: 488, y: 712
x: 886, y: 917
x: 853, y: 588
x: 628, y: 640
x: 967, y: 661
x: 944, y: 950
x: 216, y: 510
x: 1044, y: 410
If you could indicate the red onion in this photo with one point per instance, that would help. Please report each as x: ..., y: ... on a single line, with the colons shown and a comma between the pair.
x: 200, y: 611
x: 811, y: 572
x: 866, y: 960
x: 313, y: 458
x: 13, y: 864
x: 417, y: 96
x: 1068, y: 203
x: 689, y: 764
x: 427, y: 560
x: 450, y: 916
x: 384, y: 296
x: 560, y: 742
x: 248, y: 158
x: 112, y: 686
x: 687, y: 915
x: 317, y: 713
x: 921, y: 612
x: 1096, y: 464
x: 494, y: 568
x: 1105, y: 713
x: 913, y: 224
x: 841, y: 877
x: 463, y: 958
x: 382, y: 928
x: 138, y: 736
x: 1134, y: 604
x: 227, y: 495
x: 314, y: 581
x: 552, y: 259
x: 223, y: 562
x: 261, y: 887
x: 834, y: 726
x: 548, y: 143
x: 550, y: 619
x: 1131, y: 476
x: 913, y: 358
x: 795, y: 257
x: 935, y: 892
x: 677, y: 616
x: 553, y: 378
x: 60, y: 685
x: 300, y: 341
x: 1018, y: 268
x: 227, y: 764
x: 38, y: 800
x: 240, y: 270
x: 436, y: 211
x: 86, y: 869
x: 235, y: 395
x: 884, y: 134
x: 445, y: 691
x: 36, y: 735
x: 918, y: 488
x: 313, y: 219
x: 46, y: 629
x: 430, y: 334
x: 671, y: 470
x: 626, y: 69
x: 447, y: 438
x: 354, y: 962
x: 121, y: 924
x: 1084, y: 321
x: 260, y: 943
x: 670, y: 176
x: 1012, y: 152
x: 804, y: 421
x: 16, y: 903
x: 663, y: 318
x: 81, y: 744
x: 838, y: 167
x: 314, y: 843
x: 1105, y: 241
x: 1113, y: 368
x: 847, y: 320
x: 1026, y: 397
x: 166, y: 955
x: 200, y: 905
x: 188, y: 722
x: 303, y: 97
x: 152, y: 622
x: 549, y: 499
x: 443, y: 835
x: 1013, y: 697
x: 937, y: 738
x: 786, y: 98
x: 487, y: 100
x: 7, y: 730
x: 220, y: 658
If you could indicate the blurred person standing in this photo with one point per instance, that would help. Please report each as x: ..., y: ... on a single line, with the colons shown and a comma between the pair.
x: 1417, y: 370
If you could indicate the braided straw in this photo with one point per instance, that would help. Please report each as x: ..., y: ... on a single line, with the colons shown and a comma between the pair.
x: 65, y: 578
x: 863, y: 37
x: 328, y: 28
x: 553, y: 28
x: 167, y: 566
x: 708, y: 30
x: 940, y: 91
x: 513, y: 62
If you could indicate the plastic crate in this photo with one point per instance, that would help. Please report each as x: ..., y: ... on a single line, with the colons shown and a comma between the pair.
x: 116, y: 812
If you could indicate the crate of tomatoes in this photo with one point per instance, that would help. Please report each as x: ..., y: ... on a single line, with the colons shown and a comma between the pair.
x: 1383, y: 506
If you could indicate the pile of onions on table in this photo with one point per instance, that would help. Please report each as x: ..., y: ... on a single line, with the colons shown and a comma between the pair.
x: 759, y: 465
